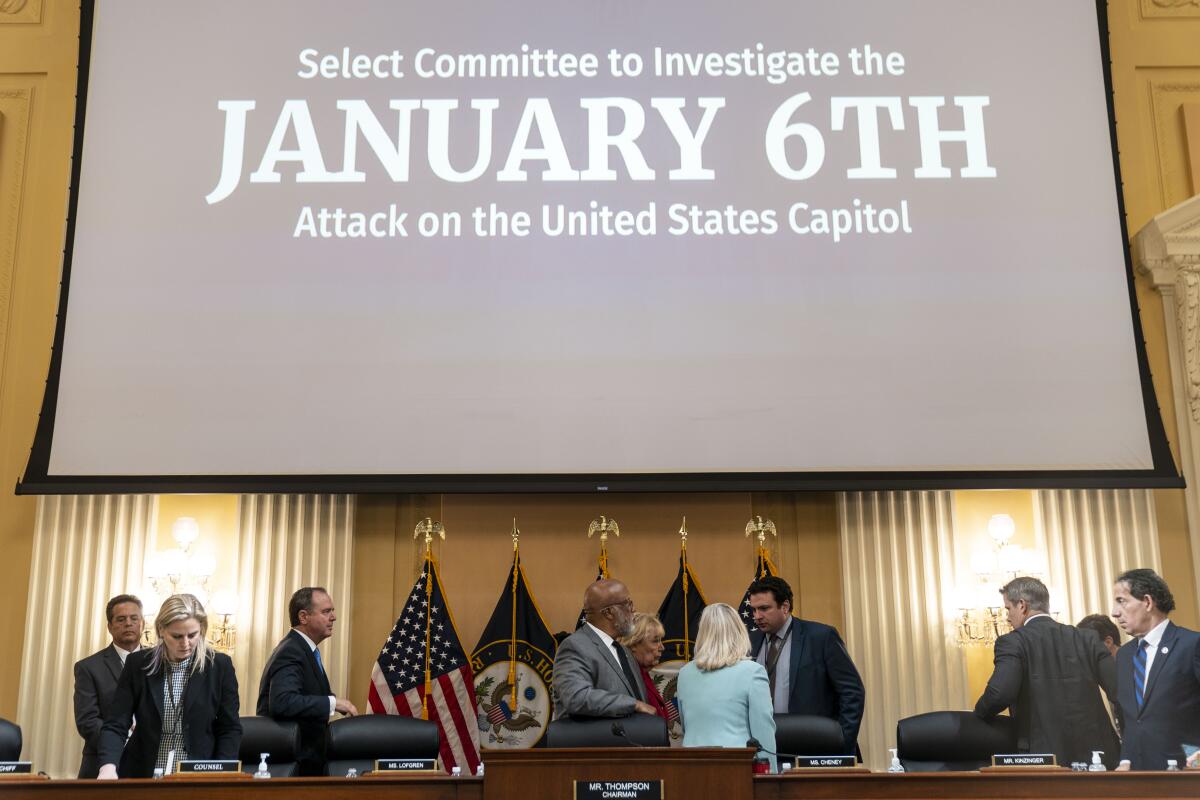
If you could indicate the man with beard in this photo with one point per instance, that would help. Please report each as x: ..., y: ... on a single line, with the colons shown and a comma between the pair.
x: 593, y: 672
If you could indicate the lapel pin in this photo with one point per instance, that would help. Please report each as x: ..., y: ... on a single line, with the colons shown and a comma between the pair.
x: 1164, y: 651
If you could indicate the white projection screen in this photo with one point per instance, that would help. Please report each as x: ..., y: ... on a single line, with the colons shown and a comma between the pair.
x: 620, y: 245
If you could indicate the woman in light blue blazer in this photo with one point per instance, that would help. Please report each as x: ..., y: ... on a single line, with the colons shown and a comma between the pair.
x: 724, y: 697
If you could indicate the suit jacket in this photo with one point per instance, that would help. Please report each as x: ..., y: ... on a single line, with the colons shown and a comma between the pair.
x: 1051, y: 675
x: 588, y: 682
x: 293, y: 687
x: 95, y: 683
x: 823, y: 679
x: 211, y: 728
x: 726, y: 707
x: 1170, y: 715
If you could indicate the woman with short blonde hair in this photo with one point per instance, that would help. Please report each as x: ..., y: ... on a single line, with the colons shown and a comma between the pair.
x: 183, y: 694
x: 645, y: 641
x: 725, y: 698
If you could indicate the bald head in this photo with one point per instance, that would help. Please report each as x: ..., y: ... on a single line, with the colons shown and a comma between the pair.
x: 607, y: 606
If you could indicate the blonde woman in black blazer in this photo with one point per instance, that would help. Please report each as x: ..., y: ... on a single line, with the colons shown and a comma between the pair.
x: 183, y: 694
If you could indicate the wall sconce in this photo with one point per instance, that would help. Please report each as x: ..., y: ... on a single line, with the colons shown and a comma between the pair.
x: 981, y: 618
x: 173, y: 571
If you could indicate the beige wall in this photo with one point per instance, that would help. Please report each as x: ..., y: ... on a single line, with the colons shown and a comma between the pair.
x: 1156, y: 73
x: 560, y: 561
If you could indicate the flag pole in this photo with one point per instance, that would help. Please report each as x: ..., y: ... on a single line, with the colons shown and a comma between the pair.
x: 427, y: 528
x: 512, y: 653
x: 684, y: 571
x: 604, y: 526
x: 760, y: 528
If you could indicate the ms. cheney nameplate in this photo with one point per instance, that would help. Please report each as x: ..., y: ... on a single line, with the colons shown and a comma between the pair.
x: 618, y: 790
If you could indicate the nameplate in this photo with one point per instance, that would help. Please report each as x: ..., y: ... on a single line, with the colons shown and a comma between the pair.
x: 824, y: 762
x: 406, y: 765
x: 1024, y: 760
x: 195, y: 766
x: 16, y: 767
x: 618, y: 790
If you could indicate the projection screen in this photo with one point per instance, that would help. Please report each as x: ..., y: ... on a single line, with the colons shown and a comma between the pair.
x: 596, y: 245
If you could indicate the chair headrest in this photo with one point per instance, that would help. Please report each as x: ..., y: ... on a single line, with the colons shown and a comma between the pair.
x: 642, y: 729
x: 10, y: 741
x: 808, y: 735
x: 265, y: 735
x: 375, y: 736
x: 953, y: 736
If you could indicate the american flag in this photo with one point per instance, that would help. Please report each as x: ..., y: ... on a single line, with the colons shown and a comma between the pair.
x: 398, y: 676
x: 762, y: 568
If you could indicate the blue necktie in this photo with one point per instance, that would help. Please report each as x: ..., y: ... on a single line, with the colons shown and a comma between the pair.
x: 1139, y: 672
x: 321, y: 669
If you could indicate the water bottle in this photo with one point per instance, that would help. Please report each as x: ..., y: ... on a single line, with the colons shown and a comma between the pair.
x: 456, y: 772
x: 479, y: 770
x: 158, y: 773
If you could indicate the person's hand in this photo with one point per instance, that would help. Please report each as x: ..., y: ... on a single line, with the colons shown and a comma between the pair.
x: 644, y: 708
x: 345, y: 707
x: 1124, y: 766
x: 107, y: 773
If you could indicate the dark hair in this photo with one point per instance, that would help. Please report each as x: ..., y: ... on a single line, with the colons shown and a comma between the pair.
x: 1104, y: 627
x: 1144, y: 582
x: 1031, y: 590
x: 302, y: 600
x: 777, y: 586
x: 116, y: 601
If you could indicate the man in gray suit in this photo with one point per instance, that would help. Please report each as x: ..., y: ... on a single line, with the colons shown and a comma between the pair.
x: 96, y: 676
x: 594, y: 675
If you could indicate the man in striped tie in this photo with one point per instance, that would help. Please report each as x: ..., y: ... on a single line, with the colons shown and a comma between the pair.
x: 1158, y: 674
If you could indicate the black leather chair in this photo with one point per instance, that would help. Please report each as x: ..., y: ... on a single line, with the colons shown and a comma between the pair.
x: 358, y: 741
x: 640, y: 729
x: 281, y: 740
x: 807, y: 735
x: 952, y: 741
x: 10, y: 741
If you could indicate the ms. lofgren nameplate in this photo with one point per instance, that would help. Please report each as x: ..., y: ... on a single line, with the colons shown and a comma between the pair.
x: 618, y: 790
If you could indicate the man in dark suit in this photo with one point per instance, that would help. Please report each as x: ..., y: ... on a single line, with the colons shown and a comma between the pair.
x: 96, y: 676
x: 1158, y: 674
x: 594, y: 674
x: 809, y: 670
x: 294, y: 684
x: 1051, y: 675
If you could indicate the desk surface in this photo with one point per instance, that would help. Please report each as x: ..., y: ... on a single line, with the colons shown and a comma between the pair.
x: 873, y: 786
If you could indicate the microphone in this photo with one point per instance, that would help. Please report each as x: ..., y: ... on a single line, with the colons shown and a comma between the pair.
x: 757, y: 745
x: 618, y: 729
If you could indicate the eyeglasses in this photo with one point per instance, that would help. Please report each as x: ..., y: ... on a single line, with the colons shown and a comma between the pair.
x: 626, y: 603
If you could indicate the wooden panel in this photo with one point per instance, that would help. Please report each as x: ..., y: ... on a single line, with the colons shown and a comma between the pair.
x: 20, y: 12
x: 686, y: 773
x: 15, y: 102
x: 1169, y: 9
x: 1170, y: 90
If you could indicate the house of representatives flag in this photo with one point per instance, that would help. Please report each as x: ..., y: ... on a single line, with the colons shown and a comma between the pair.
x: 762, y: 568
x: 514, y: 664
x: 426, y: 628
x: 680, y: 617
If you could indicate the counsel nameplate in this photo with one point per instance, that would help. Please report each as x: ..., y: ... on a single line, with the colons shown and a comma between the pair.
x: 618, y: 790
x: 208, y: 766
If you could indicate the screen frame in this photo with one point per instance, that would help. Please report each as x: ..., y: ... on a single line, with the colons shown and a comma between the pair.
x: 36, y: 479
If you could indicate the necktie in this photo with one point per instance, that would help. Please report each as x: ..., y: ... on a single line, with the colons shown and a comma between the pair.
x: 626, y: 669
x: 1139, y: 672
x: 320, y: 666
x: 774, y: 648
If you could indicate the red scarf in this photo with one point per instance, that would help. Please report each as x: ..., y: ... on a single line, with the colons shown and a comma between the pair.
x: 652, y: 695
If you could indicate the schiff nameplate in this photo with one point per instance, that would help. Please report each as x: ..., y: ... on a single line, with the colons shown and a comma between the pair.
x: 16, y: 767
x: 406, y: 765
x: 207, y: 767
x: 1024, y: 760
x: 618, y: 790
x: 824, y: 762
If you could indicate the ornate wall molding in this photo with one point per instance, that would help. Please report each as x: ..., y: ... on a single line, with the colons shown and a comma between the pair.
x: 1167, y: 96
x: 1169, y: 9
x: 15, y: 106
x: 20, y: 12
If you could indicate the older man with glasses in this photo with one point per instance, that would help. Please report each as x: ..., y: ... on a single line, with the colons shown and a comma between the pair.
x: 594, y: 674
